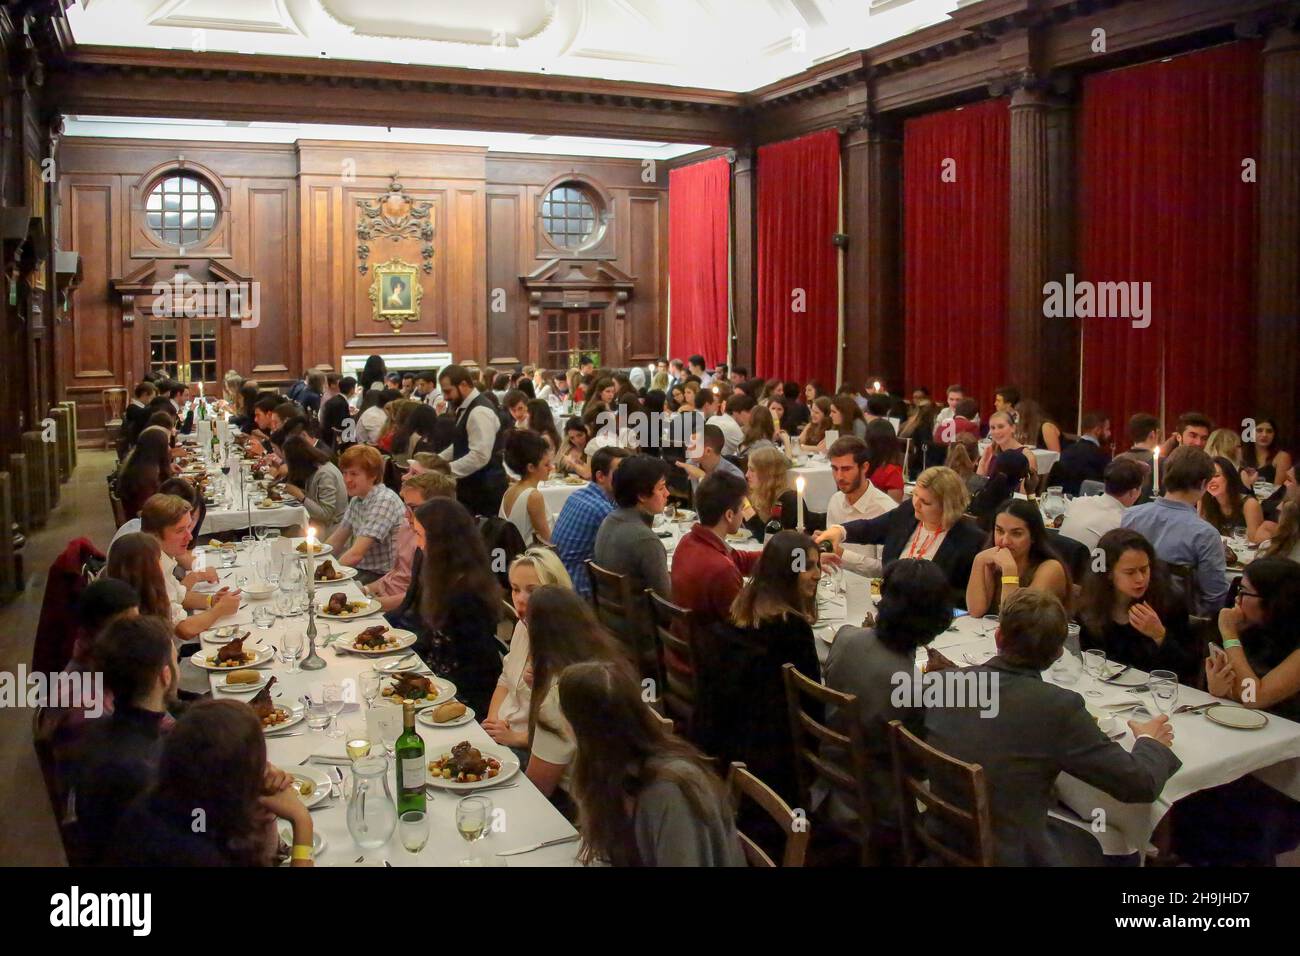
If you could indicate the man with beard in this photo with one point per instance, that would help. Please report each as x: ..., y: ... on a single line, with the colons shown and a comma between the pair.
x: 855, y: 498
x: 475, y: 452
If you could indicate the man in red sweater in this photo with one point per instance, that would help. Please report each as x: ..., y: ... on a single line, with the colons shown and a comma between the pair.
x: 707, y: 574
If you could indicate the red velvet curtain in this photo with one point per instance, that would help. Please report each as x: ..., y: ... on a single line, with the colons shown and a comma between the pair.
x: 798, y: 278
x: 1162, y: 200
x: 699, y: 201
x: 956, y: 181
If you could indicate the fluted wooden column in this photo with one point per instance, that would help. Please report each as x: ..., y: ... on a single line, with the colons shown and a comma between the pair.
x: 744, y: 261
x: 1278, y: 340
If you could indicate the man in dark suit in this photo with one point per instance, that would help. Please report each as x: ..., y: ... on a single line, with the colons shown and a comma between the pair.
x: 1038, y: 730
x: 1086, y: 459
x: 334, y: 411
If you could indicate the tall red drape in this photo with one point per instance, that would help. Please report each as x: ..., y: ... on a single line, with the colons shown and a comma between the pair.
x: 699, y: 200
x: 798, y: 279
x: 955, y: 248
x: 1162, y: 200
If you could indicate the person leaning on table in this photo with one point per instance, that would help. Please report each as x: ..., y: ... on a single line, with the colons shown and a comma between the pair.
x: 932, y: 529
x: 1039, y: 731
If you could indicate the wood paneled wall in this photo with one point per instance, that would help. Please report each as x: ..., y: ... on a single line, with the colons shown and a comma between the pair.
x: 290, y: 220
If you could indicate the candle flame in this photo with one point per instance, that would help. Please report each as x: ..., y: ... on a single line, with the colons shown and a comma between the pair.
x: 799, y: 483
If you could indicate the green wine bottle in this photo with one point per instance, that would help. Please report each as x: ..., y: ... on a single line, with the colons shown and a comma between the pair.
x: 410, y: 764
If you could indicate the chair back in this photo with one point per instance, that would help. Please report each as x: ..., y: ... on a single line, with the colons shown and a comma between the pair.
x: 113, y: 401
x: 966, y: 837
x: 845, y: 773
x: 674, y: 638
x: 743, y: 784
x: 119, y: 511
x: 624, y: 614
x: 1183, y: 576
x: 1074, y: 553
x: 54, y: 788
x: 1090, y: 487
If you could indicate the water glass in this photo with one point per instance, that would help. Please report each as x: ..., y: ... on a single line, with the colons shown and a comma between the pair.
x: 414, y: 827
x: 1094, y: 660
x: 1065, y: 669
x: 291, y: 645
x: 388, y: 723
x: 1164, y: 691
x: 318, y: 710
x: 285, y: 604
x: 247, y: 542
x: 263, y: 617
x: 334, y: 702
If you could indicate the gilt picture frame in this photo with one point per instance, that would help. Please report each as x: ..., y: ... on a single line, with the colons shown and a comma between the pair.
x: 395, y: 293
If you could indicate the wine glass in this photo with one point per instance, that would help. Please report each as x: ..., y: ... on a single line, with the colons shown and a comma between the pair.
x: 272, y: 535
x: 389, y: 720
x: 284, y: 603
x: 333, y: 692
x: 472, y: 822
x: 1164, y: 690
x: 1094, y: 660
x: 259, y: 532
x: 291, y: 645
x: 414, y: 827
x: 369, y: 682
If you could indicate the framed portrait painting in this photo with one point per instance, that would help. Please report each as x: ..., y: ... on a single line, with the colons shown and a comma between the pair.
x: 395, y: 293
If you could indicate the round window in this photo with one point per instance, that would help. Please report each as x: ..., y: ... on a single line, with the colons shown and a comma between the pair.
x: 181, y: 209
x: 571, y: 216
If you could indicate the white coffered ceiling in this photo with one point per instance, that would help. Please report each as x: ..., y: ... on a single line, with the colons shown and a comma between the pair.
x: 734, y: 45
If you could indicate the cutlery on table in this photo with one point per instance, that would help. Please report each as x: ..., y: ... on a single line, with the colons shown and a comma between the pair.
x: 1115, y: 676
x: 291, y: 733
x: 1194, y: 708
x: 537, y: 846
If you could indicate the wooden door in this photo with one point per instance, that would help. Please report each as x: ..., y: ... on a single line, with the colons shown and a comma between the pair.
x: 571, y: 333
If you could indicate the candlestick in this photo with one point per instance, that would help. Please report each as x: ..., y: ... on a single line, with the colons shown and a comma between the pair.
x: 313, y: 661
x: 1155, y: 471
x: 799, y: 484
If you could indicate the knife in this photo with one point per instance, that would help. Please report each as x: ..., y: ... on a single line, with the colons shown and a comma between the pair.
x: 335, y: 761
x: 537, y: 846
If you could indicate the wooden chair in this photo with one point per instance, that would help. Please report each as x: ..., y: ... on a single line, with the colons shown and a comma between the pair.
x: 119, y: 511
x: 846, y: 777
x: 114, y: 403
x: 741, y: 783
x: 674, y: 634
x: 506, y: 626
x: 624, y: 613
x: 54, y: 790
x: 916, y: 764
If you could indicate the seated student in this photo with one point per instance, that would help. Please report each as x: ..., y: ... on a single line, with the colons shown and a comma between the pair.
x: 1019, y: 555
x: 392, y: 588
x: 645, y: 797
x: 846, y: 417
x: 214, y: 762
x: 1229, y: 505
x: 914, y: 609
x: 710, y: 460
x: 740, y: 711
x: 1130, y: 611
x: 773, y: 503
x: 315, y: 481
x: 460, y: 602
x: 965, y: 420
x: 1283, y: 537
x: 1005, y: 455
x: 1179, y: 534
x: 856, y: 498
x: 761, y: 432
x: 707, y: 573
x: 1193, y: 431
x: 527, y: 455
x: 1265, y: 455
x: 1247, y: 822
x: 168, y: 519
x: 813, y: 436
x: 562, y: 630
x: 581, y: 517
x: 572, y: 456
x: 933, y: 529
x: 1038, y: 731
x: 507, y: 716
x: 1144, y: 438
x: 366, y: 536
x: 1089, y: 517
x: 119, y: 755
x: 1086, y: 459
x: 1033, y: 427
x: 885, y: 456
x: 146, y: 467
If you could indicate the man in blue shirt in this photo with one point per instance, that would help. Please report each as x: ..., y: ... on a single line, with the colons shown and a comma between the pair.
x: 1179, y: 534
x: 574, y: 534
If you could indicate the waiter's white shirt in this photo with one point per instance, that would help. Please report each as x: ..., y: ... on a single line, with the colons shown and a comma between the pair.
x: 482, y: 427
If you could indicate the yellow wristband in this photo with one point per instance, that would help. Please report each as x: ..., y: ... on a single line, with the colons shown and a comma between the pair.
x: 301, y: 852
x: 211, y: 599
x: 1011, y: 579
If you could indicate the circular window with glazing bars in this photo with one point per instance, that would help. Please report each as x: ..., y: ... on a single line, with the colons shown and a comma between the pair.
x: 572, y: 216
x: 181, y: 209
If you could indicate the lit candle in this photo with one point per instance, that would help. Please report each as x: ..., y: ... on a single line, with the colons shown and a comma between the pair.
x: 311, y: 559
x: 875, y: 386
x: 1155, y: 471
x: 799, y: 484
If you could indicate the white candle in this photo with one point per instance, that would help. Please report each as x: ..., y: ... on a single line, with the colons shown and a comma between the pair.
x: 311, y: 559
x: 1155, y: 471
x: 799, y: 484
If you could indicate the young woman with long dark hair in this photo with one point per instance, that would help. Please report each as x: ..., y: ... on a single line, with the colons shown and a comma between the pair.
x: 314, y: 480
x: 1017, y: 554
x: 1228, y: 504
x: 147, y: 466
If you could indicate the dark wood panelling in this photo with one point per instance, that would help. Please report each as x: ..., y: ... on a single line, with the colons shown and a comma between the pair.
x: 644, y: 332
x: 507, y: 316
x: 274, y: 340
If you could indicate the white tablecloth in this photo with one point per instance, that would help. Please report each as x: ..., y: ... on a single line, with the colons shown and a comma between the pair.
x: 819, y: 485
x: 556, y: 493
x: 528, y: 817
x: 1044, y: 458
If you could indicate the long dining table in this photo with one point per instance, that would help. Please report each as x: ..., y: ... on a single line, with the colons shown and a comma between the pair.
x: 526, y: 816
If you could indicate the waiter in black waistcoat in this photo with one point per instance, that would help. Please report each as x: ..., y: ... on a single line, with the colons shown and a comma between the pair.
x: 475, y: 452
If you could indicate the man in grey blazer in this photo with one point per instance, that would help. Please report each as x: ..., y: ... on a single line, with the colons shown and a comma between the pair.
x: 1037, y: 731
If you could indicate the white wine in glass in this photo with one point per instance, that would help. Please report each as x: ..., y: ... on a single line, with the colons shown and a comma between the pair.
x: 471, y: 822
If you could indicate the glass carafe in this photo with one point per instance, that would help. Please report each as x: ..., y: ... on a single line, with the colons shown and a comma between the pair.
x: 1053, y: 504
x: 372, y: 814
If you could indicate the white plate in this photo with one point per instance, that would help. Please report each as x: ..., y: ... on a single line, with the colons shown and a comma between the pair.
x: 242, y: 688
x: 446, y: 691
x: 404, y: 640
x: 223, y: 635
x: 744, y: 534
x: 324, y: 549
x: 347, y: 575
x: 286, y: 836
x: 398, y: 664
x: 426, y: 717
x: 264, y: 654
x: 374, y: 607
x: 296, y: 714
x: 509, y: 767
x: 254, y: 593
x: 264, y: 506
x: 1238, y: 718
x: 316, y: 776
x: 1125, y: 678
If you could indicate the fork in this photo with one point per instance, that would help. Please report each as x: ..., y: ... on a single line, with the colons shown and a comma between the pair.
x: 336, y: 788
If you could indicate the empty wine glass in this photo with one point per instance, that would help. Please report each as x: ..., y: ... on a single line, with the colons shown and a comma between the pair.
x: 1164, y: 690
x: 291, y: 645
x: 334, y: 703
x: 272, y: 535
x: 1094, y: 661
x: 369, y: 682
x: 259, y: 532
x: 472, y: 815
x: 389, y: 721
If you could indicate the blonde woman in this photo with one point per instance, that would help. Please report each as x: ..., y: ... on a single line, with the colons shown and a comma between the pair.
x: 507, y: 717
x: 933, y: 529
x: 230, y: 387
x: 772, y: 504
x: 1224, y: 443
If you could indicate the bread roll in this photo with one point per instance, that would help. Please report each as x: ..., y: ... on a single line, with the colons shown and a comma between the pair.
x: 243, y: 677
x: 448, y: 711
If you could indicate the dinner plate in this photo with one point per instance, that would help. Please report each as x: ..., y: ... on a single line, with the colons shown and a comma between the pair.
x: 296, y: 714
x: 321, y: 549
x: 398, y: 664
x: 285, y: 829
x: 318, y: 777
x: 744, y: 534
x: 426, y: 717
x: 1238, y: 718
x: 347, y: 574
x: 242, y: 688
x: 404, y: 640
x: 374, y: 607
x: 222, y: 635
x: 509, y: 767
x: 446, y: 691
x: 264, y: 654
x: 264, y: 506
x: 1125, y: 678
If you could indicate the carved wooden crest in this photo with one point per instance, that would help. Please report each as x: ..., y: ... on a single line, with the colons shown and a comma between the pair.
x: 394, y: 216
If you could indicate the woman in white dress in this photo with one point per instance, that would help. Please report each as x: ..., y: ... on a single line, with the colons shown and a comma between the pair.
x: 528, y: 455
